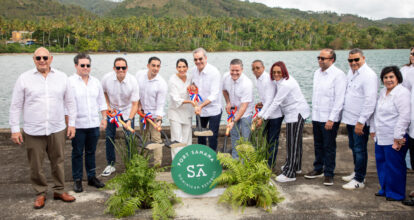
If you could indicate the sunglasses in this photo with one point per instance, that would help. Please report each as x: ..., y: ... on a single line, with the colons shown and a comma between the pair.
x: 85, y: 65
x: 324, y: 58
x: 198, y: 59
x: 412, y: 54
x: 45, y: 58
x: 352, y: 60
x: 120, y: 67
x: 256, y: 68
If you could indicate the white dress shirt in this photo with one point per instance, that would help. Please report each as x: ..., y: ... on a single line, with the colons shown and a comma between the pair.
x: 240, y: 91
x: 177, y: 111
x: 360, y: 96
x: 405, y: 72
x: 328, y: 94
x: 392, y: 115
x: 90, y: 101
x: 408, y: 82
x: 267, y: 91
x: 290, y: 99
x: 153, y: 93
x: 208, y: 83
x: 43, y: 102
x: 121, y: 94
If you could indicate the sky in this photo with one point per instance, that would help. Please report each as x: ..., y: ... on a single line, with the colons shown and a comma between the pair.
x: 372, y: 9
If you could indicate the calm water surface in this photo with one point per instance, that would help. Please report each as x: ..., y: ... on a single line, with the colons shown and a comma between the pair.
x: 300, y: 64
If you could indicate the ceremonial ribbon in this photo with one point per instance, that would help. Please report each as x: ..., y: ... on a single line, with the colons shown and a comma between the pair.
x: 113, y: 118
x: 231, y: 114
x: 144, y: 118
x: 194, y: 96
x: 257, y: 111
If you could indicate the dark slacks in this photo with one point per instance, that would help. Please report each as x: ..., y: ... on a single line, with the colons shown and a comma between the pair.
x: 84, y: 140
x: 272, y: 130
x: 410, y: 145
x: 213, y: 124
x: 325, y: 147
x: 110, y: 135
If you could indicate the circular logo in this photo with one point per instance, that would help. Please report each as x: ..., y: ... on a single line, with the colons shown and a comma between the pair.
x: 194, y: 168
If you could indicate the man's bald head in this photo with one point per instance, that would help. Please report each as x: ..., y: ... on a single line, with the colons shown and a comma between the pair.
x: 42, y: 60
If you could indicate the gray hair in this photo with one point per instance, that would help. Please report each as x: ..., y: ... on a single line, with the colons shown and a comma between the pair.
x: 236, y: 62
x: 355, y: 51
x: 258, y: 61
x: 200, y: 49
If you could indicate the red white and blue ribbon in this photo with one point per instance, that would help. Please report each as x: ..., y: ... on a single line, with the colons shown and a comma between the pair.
x: 114, y: 117
x: 144, y: 119
x: 194, y: 96
x: 231, y: 114
x: 257, y: 109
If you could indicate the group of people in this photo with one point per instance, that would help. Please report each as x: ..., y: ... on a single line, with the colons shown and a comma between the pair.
x: 56, y: 107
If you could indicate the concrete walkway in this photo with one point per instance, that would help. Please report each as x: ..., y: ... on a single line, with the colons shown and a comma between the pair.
x: 304, y: 199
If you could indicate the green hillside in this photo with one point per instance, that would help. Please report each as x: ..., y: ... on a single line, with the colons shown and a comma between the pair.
x: 32, y: 9
x: 99, y: 7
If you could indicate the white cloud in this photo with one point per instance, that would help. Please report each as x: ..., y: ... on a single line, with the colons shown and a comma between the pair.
x: 373, y: 9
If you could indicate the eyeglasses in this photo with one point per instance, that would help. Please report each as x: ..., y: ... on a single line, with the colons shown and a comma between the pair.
x: 198, y: 59
x: 324, y: 58
x: 120, y: 67
x: 45, y: 58
x: 412, y: 54
x: 352, y: 60
x: 87, y: 65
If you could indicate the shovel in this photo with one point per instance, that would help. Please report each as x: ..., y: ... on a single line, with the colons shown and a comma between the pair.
x: 257, y: 108
x: 198, y: 131
x: 229, y: 119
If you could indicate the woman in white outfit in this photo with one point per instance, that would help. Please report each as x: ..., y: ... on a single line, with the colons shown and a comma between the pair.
x: 180, y: 110
x: 290, y: 100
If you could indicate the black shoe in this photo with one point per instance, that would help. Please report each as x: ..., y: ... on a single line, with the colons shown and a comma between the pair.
x: 378, y: 194
x: 77, y: 186
x: 95, y: 182
x: 391, y: 199
x: 328, y: 181
x: 314, y: 174
x: 409, y: 202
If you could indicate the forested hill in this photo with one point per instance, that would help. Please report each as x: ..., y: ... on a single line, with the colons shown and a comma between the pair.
x: 34, y: 9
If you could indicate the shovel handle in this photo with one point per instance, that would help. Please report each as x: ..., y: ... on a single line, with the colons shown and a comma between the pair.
x: 158, y: 128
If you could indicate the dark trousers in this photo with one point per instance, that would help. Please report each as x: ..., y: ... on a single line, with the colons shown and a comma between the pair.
x: 213, y: 124
x: 410, y: 145
x: 272, y: 130
x: 110, y: 135
x: 294, y: 138
x: 358, y: 145
x: 84, y: 140
x: 392, y: 171
x: 324, y: 142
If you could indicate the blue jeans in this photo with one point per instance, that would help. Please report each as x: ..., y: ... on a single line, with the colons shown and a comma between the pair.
x: 358, y: 145
x: 325, y: 147
x: 392, y: 171
x: 110, y: 135
x: 242, y: 127
x: 85, y: 139
x: 273, y: 131
x: 213, y: 124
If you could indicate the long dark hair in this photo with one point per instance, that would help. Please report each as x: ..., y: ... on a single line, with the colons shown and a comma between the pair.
x: 285, y: 73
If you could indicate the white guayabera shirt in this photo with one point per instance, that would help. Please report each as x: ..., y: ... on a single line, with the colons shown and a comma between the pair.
x: 408, y: 82
x: 153, y: 93
x: 289, y: 99
x: 208, y: 83
x: 392, y: 115
x: 43, y: 102
x: 267, y: 91
x: 360, y: 96
x: 121, y: 94
x: 90, y: 101
x: 240, y: 91
x: 328, y: 94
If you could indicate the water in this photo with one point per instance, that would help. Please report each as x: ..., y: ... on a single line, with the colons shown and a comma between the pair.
x: 300, y: 64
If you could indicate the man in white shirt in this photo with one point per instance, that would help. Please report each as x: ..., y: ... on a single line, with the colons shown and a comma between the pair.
x: 42, y: 94
x: 329, y: 85
x: 90, y: 100
x: 359, y: 106
x: 121, y: 94
x: 207, y: 78
x: 267, y: 91
x: 153, y: 90
x: 238, y: 93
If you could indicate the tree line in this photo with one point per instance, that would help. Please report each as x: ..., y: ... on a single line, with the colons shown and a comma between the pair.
x: 147, y: 33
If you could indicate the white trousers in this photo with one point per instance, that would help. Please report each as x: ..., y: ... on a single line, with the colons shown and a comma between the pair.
x: 181, y: 133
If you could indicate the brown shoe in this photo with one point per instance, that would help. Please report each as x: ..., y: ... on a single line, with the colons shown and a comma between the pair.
x: 411, y: 194
x: 40, y: 202
x: 64, y: 197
